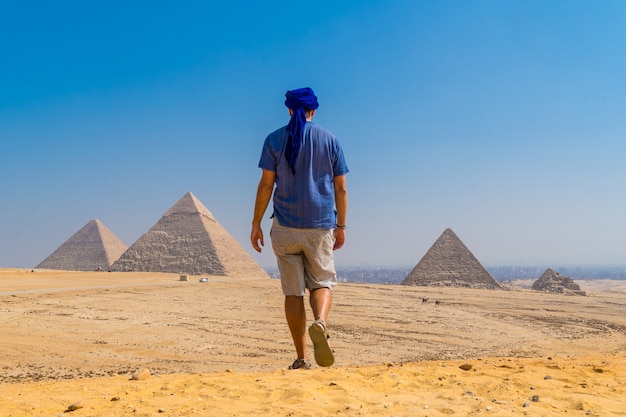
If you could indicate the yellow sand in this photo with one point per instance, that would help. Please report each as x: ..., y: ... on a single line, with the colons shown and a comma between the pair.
x: 221, y: 348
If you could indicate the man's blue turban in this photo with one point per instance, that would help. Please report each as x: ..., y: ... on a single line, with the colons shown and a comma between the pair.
x: 297, y: 100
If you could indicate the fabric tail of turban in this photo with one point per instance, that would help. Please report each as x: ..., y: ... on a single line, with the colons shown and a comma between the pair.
x: 298, y: 101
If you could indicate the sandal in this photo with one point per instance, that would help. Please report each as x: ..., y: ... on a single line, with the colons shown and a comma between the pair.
x: 300, y: 364
x: 323, y: 353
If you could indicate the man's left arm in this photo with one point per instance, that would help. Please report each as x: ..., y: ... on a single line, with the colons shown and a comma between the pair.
x: 341, y: 205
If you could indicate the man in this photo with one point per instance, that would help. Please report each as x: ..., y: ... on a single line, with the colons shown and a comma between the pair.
x: 306, y: 165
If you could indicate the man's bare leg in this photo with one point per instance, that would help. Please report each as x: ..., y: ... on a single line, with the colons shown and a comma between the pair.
x: 296, y: 319
x: 320, y: 300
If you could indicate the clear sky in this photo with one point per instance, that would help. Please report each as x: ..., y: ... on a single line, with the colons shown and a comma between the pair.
x: 502, y: 119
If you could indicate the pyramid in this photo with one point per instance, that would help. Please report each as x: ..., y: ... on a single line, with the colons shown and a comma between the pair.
x: 92, y: 247
x: 449, y: 263
x: 553, y: 282
x: 188, y: 240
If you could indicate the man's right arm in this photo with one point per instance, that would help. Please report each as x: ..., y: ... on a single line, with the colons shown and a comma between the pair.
x: 263, y: 196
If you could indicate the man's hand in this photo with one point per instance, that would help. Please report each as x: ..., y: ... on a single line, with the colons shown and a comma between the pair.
x: 256, y: 238
x: 340, y: 238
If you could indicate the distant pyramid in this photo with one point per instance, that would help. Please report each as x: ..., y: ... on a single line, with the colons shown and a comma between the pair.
x: 188, y: 239
x: 92, y: 247
x: 554, y: 282
x: 449, y: 263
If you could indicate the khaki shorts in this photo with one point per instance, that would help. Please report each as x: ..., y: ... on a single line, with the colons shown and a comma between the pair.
x: 305, y: 258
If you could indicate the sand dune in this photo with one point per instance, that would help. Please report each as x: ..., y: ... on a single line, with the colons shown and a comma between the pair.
x: 222, y: 348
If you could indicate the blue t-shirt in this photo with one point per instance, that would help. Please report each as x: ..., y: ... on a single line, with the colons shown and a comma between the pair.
x: 306, y: 199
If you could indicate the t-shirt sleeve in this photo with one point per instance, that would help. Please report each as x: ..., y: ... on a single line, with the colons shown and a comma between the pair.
x: 268, y: 156
x: 339, y: 166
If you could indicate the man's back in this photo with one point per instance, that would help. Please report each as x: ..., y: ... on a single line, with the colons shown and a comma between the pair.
x: 305, y: 198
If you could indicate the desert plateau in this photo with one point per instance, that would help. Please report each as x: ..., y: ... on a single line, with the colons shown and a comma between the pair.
x: 148, y: 344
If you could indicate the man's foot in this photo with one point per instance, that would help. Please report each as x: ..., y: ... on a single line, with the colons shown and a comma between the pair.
x: 300, y: 364
x: 323, y: 353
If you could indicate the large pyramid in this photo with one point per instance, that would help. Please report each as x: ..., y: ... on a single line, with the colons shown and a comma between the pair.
x: 188, y: 240
x: 449, y: 263
x: 92, y: 247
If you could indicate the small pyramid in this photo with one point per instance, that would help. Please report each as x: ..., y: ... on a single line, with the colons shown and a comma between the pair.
x: 553, y: 282
x: 92, y: 247
x: 449, y: 263
x: 188, y: 240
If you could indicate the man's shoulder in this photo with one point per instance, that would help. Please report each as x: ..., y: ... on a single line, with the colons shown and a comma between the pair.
x: 277, y: 137
x: 318, y: 130
x: 279, y: 132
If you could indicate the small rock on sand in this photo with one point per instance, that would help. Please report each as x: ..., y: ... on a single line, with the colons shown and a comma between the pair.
x: 75, y: 406
x: 141, y: 375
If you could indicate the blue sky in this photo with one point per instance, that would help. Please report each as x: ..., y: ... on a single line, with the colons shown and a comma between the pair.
x: 503, y: 120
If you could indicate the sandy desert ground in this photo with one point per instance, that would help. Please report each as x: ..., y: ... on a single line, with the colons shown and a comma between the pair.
x: 221, y: 348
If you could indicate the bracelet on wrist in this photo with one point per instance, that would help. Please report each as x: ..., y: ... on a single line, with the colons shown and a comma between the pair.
x: 340, y: 227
